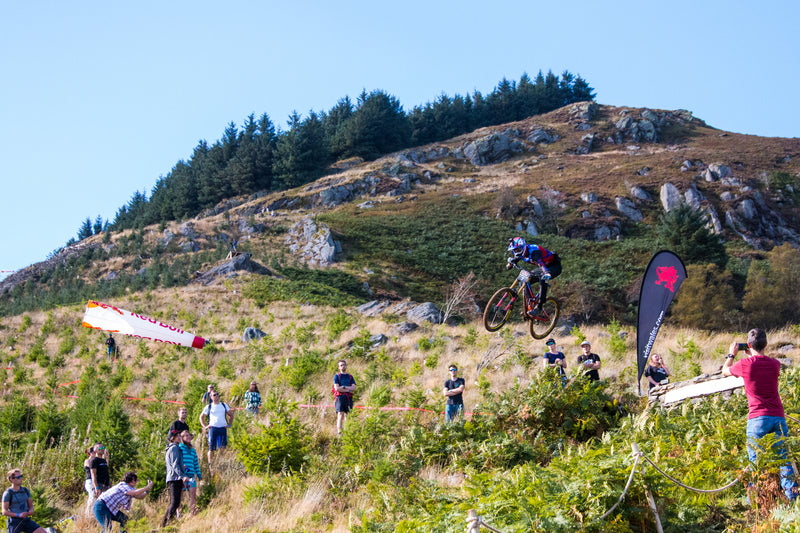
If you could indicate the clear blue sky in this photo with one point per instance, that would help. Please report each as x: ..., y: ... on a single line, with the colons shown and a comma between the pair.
x: 99, y: 99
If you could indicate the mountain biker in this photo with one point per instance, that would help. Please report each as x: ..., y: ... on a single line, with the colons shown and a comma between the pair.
x: 548, y: 262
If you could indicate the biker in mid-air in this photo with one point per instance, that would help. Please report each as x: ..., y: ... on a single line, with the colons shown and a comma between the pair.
x: 548, y: 262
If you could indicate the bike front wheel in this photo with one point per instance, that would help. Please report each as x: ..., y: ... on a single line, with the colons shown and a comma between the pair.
x: 544, y: 323
x: 499, y: 308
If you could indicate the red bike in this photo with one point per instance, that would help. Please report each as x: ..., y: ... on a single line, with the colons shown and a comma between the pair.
x: 502, y: 302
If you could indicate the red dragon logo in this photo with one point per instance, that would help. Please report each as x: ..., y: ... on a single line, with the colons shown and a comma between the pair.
x: 668, y: 276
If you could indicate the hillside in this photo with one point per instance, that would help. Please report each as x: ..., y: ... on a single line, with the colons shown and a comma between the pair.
x: 588, y: 181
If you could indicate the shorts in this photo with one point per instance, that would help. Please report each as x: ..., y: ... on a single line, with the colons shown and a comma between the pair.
x: 217, y: 438
x: 22, y: 525
x: 344, y: 404
x: 192, y: 484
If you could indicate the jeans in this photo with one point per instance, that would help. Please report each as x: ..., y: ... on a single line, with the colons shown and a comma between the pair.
x: 89, y: 486
x: 104, y: 516
x: 764, y: 425
x: 452, y: 410
x: 175, y: 489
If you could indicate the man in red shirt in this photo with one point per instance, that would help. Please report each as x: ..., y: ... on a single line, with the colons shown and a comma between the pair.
x: 760, y: 375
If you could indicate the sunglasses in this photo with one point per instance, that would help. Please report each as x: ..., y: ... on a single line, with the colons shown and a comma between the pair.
x: 453, y: 369
x: 17, y: 477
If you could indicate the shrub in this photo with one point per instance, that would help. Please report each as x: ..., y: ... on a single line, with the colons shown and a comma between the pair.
x: 279, y: 447
x: 225, y: 369
x: 337, y: 324
x: 617, y: 347
x: 26, y: 323
x: 302, y: 367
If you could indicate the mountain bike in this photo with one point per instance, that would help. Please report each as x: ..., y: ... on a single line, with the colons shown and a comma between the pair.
x: 500, y: 305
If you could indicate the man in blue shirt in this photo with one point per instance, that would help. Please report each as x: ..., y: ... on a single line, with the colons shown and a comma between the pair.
x: 343, y: 387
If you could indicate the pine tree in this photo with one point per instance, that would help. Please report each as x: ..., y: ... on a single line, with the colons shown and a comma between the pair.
x: 378, y: 126
x: 683, y: 231
x: 334, y: 123
x: 85, y: 229
x: 50, y: 424
x: 97, y: 227
x: 770, y: 297
x: 706, y: 299
x: 114, y: 430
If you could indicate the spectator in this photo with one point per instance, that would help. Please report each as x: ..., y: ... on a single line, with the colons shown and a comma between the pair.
x: 108, y: 504
x: 343, y: 387
x: 180, y: 424
x: 101, y: 479
x: 18, y: 506
x: 656, y: 373
x: 453, y: 389
x: 111, y: 347
x: 192, y: 464
x: 207, y: 394
x: 589, y: 361
x: 176, y: 475
x: 89, y: 484
x: 555, y: 359
x: 220, y: 418
x: 252, y: 399
x: 765, y: 409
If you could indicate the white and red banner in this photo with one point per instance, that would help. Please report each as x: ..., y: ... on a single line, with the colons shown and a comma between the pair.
x: 109, y: 318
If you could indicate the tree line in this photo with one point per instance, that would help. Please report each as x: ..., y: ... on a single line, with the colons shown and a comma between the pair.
x: 260, y: 157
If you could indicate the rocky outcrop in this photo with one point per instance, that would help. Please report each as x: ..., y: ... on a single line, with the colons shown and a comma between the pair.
x: 252, y: 334
x: 414, y: 312
x: 646, y: 124
x: 627, y: 208
x: 492, y: 148
x: 539, y: 135
x: 716, y: 171
x: 640, y: 194
x: 311, y: 244
x: 425, y: 312
x: 670, y: 197
x: 230, y: 268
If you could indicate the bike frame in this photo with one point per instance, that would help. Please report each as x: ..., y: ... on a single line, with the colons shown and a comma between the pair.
x: 528, y: 294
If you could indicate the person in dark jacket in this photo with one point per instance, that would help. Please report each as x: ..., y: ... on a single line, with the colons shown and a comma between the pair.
x: 176, y: 475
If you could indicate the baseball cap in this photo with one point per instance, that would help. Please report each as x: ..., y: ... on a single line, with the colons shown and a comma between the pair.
x: 586, y: 343
x: 550, y: 341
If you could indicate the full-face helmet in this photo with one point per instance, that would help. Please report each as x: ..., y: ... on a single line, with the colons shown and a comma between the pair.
x: 517, y: 247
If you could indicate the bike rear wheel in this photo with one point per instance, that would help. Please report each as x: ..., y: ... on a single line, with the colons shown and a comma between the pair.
x: 544, y: 323
x: 498, y: 309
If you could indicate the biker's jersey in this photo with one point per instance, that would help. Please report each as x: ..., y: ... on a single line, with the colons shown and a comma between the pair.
x: 533, y: 253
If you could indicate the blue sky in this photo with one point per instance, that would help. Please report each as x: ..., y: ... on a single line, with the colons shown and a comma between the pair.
x: 99, y: 99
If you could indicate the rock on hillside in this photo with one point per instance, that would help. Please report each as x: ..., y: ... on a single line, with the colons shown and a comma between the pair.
x: 230, y: 268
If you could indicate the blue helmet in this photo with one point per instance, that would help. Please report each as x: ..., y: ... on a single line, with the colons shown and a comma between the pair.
x: 517, y: 246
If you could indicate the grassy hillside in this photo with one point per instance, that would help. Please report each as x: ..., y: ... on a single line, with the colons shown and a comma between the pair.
x: 406, y: 471
x: 530, y: 457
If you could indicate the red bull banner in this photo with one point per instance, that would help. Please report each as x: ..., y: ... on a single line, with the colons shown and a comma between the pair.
x: 109, y: 318
x: 662, y: 279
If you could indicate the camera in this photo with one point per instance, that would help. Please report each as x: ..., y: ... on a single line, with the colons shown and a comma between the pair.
x: 744, y: 346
